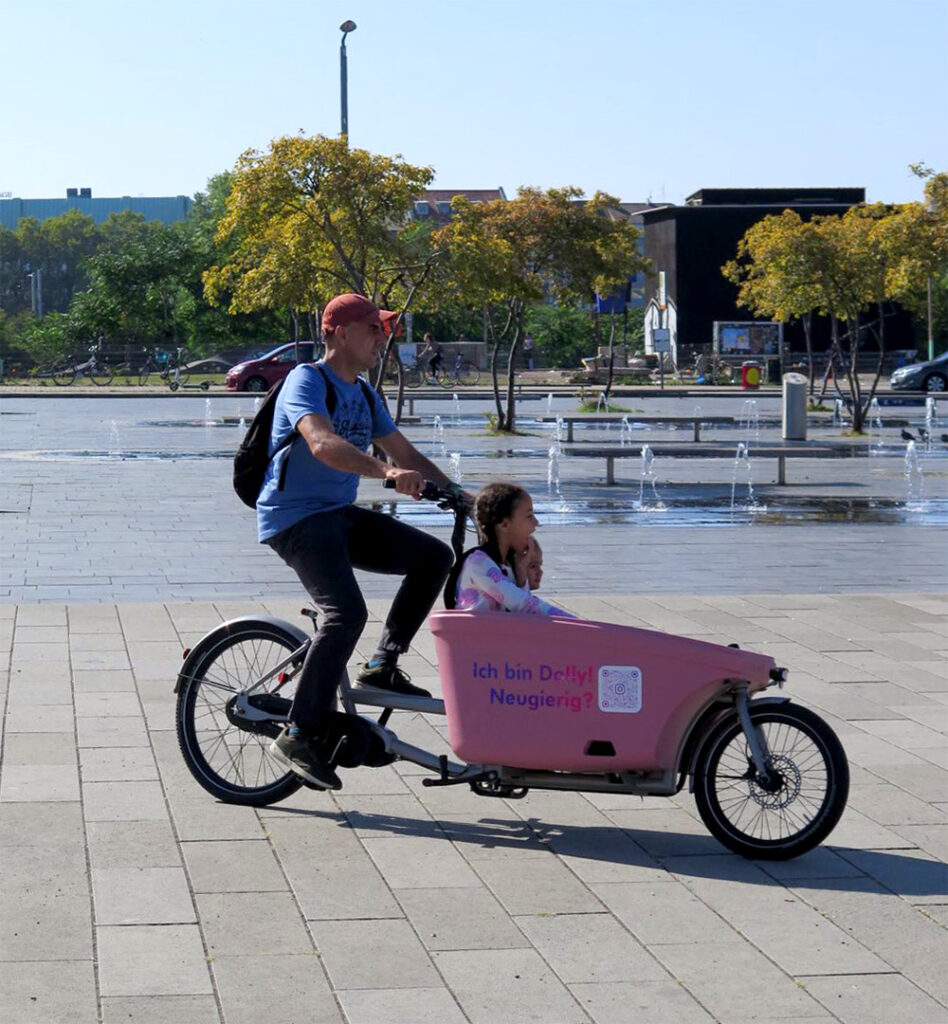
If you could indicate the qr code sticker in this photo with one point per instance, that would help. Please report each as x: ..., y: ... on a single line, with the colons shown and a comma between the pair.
x: 620, y: 689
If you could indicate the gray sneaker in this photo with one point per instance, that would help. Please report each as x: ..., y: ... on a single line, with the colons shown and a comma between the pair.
x: 302, y: 756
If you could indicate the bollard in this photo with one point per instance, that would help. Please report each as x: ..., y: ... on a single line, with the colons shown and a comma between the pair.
x: 794, y: 407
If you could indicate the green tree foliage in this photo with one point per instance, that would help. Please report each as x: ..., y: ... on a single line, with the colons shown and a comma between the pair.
x: 504, y: 256
x: 563, y: 334
x: 139, y: 283
x: 845, y: 267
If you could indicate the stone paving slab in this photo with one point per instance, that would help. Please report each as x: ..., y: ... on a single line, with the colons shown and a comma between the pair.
x: 387, y: 902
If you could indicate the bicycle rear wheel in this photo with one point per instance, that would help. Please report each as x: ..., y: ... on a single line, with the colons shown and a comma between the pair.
x: 145, y: 373
x: 227, y: 754
x: 412, y: 376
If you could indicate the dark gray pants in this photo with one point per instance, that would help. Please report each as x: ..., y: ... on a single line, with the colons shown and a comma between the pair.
x: 323, y: 550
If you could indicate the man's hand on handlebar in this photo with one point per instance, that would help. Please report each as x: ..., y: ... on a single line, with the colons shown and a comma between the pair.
x: 405, y: 481
x: 451, y: 497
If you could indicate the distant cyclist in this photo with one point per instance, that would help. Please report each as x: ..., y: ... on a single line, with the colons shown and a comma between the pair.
x: 431, y: 354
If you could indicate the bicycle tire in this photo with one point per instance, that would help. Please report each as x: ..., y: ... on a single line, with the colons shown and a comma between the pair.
x: 412, y: 377
x: 445, y: 380
x: 102, y: 375
x: 179, y: 375
x: 793, y: 818
x: 219, y: 754
x: 63, y: 374
x: 469, y: 375
x: 146, y: 371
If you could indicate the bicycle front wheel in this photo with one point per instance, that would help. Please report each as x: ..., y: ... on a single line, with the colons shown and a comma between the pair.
x: 101, y: 374
x: 233, y: 761
x: 469, y: 375
x: 64, y: 374
x: 445, y: 380
x: 803, y: 800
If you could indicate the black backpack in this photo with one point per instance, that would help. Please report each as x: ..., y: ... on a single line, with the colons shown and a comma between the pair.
x: 253, y: 456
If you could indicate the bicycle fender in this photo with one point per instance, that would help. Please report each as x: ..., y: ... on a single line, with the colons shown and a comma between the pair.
x: 703, y: 726
x: 225, y: 629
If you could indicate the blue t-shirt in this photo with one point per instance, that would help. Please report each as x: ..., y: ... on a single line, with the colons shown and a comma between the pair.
x: 310, y: 485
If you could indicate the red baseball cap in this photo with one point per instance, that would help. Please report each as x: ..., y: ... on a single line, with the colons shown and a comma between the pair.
x: 351, y: 308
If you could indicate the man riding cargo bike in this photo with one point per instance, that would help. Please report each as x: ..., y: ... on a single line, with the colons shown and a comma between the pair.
x: 306, y: 512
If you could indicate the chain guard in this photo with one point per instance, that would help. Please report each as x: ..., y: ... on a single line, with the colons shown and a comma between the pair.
x: 269, y: 704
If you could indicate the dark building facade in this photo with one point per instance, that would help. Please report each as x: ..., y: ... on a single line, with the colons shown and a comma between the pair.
x: 691, y: 243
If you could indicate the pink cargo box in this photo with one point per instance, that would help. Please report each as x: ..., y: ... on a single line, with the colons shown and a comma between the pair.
x: 574, y: 695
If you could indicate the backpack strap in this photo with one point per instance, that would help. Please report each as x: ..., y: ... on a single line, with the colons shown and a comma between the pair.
x: 332, y: 397
x: 451, y: 583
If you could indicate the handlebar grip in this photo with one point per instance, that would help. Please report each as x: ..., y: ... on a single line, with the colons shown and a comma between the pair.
x: 430, y: 492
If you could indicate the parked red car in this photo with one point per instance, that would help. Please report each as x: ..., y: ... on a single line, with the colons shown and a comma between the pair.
x: 261, y: 374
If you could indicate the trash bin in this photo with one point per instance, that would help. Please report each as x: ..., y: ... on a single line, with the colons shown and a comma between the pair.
x: 750, y: 375
x: 794, y: 407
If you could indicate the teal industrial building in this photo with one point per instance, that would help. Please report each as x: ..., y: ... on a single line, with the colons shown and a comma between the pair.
x: 167, y: 209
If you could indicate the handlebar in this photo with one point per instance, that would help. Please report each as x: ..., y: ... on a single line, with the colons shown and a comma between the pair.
x: 451, y: 499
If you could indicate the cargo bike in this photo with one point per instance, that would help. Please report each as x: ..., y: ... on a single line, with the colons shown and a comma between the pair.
x: 537, y: 703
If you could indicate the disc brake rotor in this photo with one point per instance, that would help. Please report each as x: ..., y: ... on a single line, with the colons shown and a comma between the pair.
x: 779, y: 796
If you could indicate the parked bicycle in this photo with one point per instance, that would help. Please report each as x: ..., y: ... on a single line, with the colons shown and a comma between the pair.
x: 710, y: 368
x: 170, y: 367
x: 462, y: 373
x: 536, y: 702
x: 96, y: 368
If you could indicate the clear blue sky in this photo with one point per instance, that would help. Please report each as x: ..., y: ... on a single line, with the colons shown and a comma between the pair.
x: 642, y: 99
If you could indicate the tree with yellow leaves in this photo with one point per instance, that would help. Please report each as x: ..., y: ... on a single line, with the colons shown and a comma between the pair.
x: 503, y: 255
x: 311, y: 218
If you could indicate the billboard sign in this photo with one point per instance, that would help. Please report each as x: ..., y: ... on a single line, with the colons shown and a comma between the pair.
x: 747, y: 338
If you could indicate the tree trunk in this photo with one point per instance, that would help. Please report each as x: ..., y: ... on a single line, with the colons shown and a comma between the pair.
x: 295, y: 316
x: 855, y: 389
x: 880, y: 338
x: 509, y: 426
x: 495, y: 345
x: 807, y: 321
x: 612, y: 345
x: 831, y: 361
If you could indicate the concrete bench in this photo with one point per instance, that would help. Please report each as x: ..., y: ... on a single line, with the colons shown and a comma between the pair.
x: 781, y: 451
x: 592, y: 417
x: 483, y: 396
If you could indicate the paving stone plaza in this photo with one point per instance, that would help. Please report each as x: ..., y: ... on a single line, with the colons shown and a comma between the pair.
x: 128, y: 894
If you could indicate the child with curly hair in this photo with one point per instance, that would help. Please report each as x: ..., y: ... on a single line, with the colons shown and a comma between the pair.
x: 484, y: 578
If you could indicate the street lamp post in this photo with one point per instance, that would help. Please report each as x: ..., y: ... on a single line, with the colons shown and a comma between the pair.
x: 345, y: 28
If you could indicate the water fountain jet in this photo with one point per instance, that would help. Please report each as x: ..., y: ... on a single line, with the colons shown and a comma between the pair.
x: 914, y: 480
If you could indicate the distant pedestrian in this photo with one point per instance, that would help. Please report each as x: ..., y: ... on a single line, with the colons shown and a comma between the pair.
x: 528, y: 350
